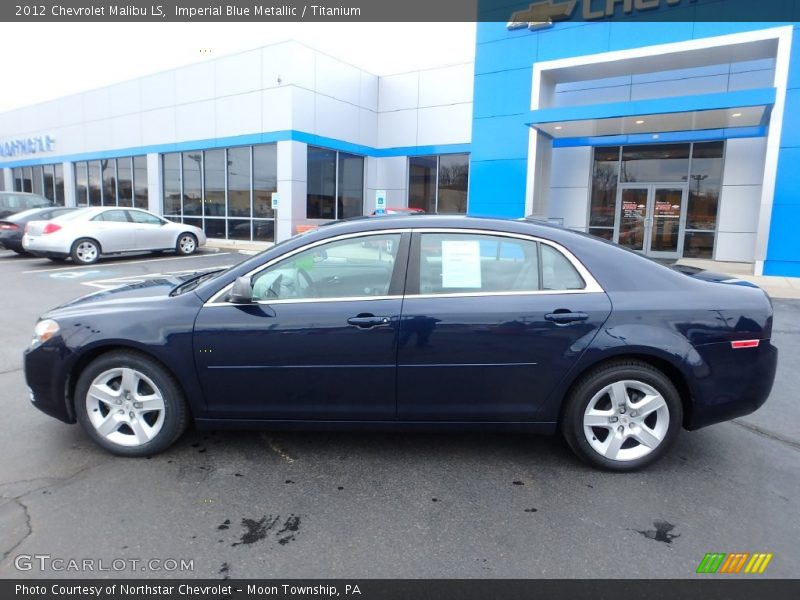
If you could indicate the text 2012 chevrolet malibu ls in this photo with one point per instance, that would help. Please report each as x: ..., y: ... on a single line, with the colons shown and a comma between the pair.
x: 409, y: 323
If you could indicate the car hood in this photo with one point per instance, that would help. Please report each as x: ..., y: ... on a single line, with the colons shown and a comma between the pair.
x: 147, y: 290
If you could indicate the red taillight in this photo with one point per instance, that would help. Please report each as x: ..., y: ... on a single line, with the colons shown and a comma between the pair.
x: 51, y: 228
x: 8, y: 226
x: 745, y: 344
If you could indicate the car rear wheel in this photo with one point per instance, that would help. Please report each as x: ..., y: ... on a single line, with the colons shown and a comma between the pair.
x: 85, y: 251
x: 130, y: 405
x: 622, y: 416
x: 187, y: 244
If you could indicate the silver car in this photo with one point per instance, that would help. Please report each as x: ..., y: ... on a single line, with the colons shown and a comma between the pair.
x: 86, y: 234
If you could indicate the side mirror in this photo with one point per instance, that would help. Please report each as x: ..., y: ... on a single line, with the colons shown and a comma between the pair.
x: 241, y: 292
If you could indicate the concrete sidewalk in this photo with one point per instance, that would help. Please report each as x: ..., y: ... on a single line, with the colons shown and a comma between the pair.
x: 776, y: 287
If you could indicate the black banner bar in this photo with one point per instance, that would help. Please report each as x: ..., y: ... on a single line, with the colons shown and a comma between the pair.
x: 519, y: 12
x: 711, y: 588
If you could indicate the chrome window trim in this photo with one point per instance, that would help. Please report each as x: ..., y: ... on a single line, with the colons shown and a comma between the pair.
x: 591, y: 285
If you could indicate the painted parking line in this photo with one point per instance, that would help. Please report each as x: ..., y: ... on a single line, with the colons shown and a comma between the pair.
x: 113, y: 282
x: 126, y: 262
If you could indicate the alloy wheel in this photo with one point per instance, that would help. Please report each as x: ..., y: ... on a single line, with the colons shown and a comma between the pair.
x: 626, y: 420
x: 125, y: 406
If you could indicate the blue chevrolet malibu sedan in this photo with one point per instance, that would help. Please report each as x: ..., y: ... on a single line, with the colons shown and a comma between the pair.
x: 423, y: 322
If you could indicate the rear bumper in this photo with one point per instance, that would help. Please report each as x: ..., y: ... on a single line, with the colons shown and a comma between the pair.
x: 47, y: 370
x: 734, y: 382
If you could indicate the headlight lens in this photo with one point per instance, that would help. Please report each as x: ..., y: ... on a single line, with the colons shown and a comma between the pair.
x: 44, y: 330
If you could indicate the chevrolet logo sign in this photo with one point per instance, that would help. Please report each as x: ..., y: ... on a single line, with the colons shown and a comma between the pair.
x: 542, y: 14
x: 545, y: 12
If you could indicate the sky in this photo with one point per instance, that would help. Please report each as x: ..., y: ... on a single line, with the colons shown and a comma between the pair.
x: 65, y: 58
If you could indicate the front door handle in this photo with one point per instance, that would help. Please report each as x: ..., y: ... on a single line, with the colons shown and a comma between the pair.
x: 563, y: 317
x: 365, y: 321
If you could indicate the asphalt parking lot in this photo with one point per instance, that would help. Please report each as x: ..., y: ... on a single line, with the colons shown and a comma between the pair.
x: 302, y: 505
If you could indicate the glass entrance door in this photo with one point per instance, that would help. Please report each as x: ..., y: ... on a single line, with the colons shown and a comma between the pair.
x: 652, y: 218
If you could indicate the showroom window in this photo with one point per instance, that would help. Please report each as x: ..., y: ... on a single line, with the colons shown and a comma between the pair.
x: 45, y: 180
x: 227, y: 192
x: 112, y: 182
x: 335, y: 184
x: 438, y: 184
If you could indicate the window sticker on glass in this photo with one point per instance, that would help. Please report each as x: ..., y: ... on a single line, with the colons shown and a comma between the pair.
x: 461, y: 264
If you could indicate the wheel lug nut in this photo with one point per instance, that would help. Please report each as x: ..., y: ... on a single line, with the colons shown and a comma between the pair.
x: 120, y: 411
x: 613, y: 419
x: 633, y: 413
x: 622, y: 410
x: 137, y: 405
x: 621, y: 429
x: 118, y: 401
x: 131, y: 415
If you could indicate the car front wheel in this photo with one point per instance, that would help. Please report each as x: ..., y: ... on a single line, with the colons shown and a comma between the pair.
x: 130, y: 405
x: 622, y: 416
x: 187, y: 244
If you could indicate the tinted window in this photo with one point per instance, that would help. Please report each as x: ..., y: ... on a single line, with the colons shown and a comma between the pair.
x: 357, y: 267
x: 114, y: 216
x: 557, y: 272
x: 143, y: 217
x: 461, y: 262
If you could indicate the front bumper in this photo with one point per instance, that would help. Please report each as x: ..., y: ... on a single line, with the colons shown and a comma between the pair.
x: 47, y: 367
x: 734, y: 382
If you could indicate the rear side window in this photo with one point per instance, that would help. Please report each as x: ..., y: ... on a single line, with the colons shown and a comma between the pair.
x: 557, y: 272
x: 113, y: 216
x: 470, y: 263
x: 452, y: 263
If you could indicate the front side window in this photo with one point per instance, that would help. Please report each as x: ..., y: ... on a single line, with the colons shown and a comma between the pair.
x: 351, y: 268
x: 138, y: 216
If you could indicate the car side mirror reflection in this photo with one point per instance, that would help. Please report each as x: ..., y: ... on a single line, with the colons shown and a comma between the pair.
x: 241, y: 292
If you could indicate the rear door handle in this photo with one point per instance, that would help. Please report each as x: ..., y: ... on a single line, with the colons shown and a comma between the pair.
x: 367, y: 321
x: 563, y: 317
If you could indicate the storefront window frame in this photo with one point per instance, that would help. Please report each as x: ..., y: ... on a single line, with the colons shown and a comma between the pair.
x: 437, y: 177
x: 687, y: 182
x: 201, y: 219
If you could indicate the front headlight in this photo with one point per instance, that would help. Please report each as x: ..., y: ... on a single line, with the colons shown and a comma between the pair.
x: 44, y: 330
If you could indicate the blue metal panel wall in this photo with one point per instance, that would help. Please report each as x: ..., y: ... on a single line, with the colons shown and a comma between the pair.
x: 503, y: 77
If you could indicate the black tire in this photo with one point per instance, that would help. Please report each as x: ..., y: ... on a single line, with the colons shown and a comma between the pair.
x: 186, y: 244
x: 20, y: 252
x: 85, y: 251
x: 592, y: 383
x: 175, y: 413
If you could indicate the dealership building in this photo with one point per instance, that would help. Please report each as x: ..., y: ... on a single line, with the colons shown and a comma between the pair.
x: 676, y: 139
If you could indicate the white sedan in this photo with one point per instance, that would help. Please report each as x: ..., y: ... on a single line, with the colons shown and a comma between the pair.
x: 87, y: 233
